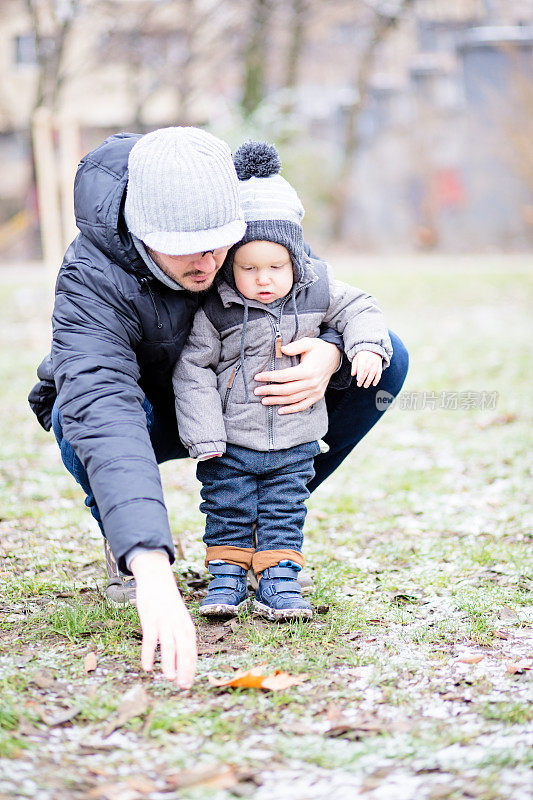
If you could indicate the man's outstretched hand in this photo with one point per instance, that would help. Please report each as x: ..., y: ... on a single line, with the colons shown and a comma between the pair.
x: 164, y: 619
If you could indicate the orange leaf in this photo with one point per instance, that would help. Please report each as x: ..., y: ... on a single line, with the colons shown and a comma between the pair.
x: 471, y: 658
x: 282, y: 680
x: 518, y: 666
x: 89, y: 662
x: 256, y: 678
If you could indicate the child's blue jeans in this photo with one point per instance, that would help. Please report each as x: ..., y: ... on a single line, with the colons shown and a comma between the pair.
x: 269, y: 488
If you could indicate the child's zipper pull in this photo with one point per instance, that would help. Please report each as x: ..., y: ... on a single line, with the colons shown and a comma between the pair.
x: 279, y: 354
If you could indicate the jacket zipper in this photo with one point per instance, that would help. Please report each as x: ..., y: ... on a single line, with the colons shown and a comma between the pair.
x: 229, y: 388
x: 276, y: 353
x: 145, y: 283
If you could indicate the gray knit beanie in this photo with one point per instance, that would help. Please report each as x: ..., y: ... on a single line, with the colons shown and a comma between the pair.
x: 272, y: 209
x: 182, y: 194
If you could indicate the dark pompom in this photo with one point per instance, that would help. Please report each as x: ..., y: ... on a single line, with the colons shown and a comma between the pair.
x: 256, y: 159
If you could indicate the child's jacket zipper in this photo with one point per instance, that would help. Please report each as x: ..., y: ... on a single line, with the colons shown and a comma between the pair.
x: 229, y: 387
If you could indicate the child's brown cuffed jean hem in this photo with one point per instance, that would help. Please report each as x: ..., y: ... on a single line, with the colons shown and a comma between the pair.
x: 240, y: 556
x: 263, y: 559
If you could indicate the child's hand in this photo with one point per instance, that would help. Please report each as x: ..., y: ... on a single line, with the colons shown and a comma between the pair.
x: 368, y: 367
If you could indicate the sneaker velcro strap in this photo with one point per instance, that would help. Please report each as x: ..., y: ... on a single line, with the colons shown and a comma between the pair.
x: 286, y: 587
x: 225, y: 569
x: 224, y: 583
x: 281, y: 572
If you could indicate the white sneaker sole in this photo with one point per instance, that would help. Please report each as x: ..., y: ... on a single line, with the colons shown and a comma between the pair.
x: 277, y: 614
x: 222, y: 610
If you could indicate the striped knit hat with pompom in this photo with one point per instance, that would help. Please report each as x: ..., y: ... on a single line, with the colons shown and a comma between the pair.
x: 272, y: 209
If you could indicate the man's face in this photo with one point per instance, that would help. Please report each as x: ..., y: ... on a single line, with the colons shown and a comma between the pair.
x: 194, y: 272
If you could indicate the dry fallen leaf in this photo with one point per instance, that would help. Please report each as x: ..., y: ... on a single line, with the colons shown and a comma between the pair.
x: 141, y: 784
x: 518, y: 666
x: 334, y: 712
x: 89, y: 662
x: 282, y: 680
x: 60, y: 719
x: 219, y: 776
x: 360, y: 672
x: 375, y: 779
x: 134, y: 704
x: 508, y: 613
x: 43, y: 679
x: 352, y: 635
x: 500, y: 419
x: 342, y: 726
x: 129, y: 789
x: 256, y: 678
x: 298, y: 728
x: 470, y: 658
x: 502, y: 634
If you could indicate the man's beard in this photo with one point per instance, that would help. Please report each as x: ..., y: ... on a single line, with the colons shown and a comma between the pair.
x: 197, y: 289
x: 193, y: 289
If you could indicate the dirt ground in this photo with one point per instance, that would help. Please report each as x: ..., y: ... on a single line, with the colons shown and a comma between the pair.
x: 416, y: 671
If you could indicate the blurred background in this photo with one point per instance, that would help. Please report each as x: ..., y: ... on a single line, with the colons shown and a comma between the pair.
x: 405, y: 125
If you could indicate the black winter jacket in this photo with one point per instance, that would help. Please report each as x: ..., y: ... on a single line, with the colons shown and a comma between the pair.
x: 117, y: 334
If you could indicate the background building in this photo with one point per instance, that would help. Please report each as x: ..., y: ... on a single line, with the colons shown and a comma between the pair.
x: 404, y: 123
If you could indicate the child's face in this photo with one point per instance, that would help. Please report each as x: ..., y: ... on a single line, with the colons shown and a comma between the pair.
x: 263, y: 271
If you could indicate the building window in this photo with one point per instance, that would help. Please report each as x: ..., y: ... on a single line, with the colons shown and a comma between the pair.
x: 26, y: 49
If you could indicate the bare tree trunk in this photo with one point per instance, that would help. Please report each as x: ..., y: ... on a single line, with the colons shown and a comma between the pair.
x: 136, y: 90
x: 384, y: 24
x: 186, y: 73
x: 255, y: 57
x: 298, y: 20
x: 300, y: 10
x: 49, y: 62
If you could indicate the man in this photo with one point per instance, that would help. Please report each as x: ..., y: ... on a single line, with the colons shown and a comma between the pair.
x: 157, y: 215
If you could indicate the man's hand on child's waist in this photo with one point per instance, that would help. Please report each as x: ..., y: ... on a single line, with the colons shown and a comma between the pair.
x: 297, y: 388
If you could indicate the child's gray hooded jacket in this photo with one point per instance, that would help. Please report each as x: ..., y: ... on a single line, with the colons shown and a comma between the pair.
x: 233, y: 339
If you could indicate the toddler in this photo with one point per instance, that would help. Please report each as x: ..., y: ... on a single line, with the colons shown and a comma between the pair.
x: 255, y: 464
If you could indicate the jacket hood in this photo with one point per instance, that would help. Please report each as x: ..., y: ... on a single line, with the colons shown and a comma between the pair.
x: 99, y: 197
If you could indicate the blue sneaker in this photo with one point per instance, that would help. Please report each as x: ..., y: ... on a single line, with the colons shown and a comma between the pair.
x: 279, y: 595
x: 227, y: 593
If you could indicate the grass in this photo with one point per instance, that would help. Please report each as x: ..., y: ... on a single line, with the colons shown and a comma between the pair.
x: 419, y: 547
x: 508, y: 713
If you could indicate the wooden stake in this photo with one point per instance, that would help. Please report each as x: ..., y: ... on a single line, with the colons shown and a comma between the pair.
x: 47, y: 189
x: 69, y: 155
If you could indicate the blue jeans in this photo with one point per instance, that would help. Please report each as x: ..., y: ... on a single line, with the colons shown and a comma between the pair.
x: 352, y: 413
x: 269, y: 488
